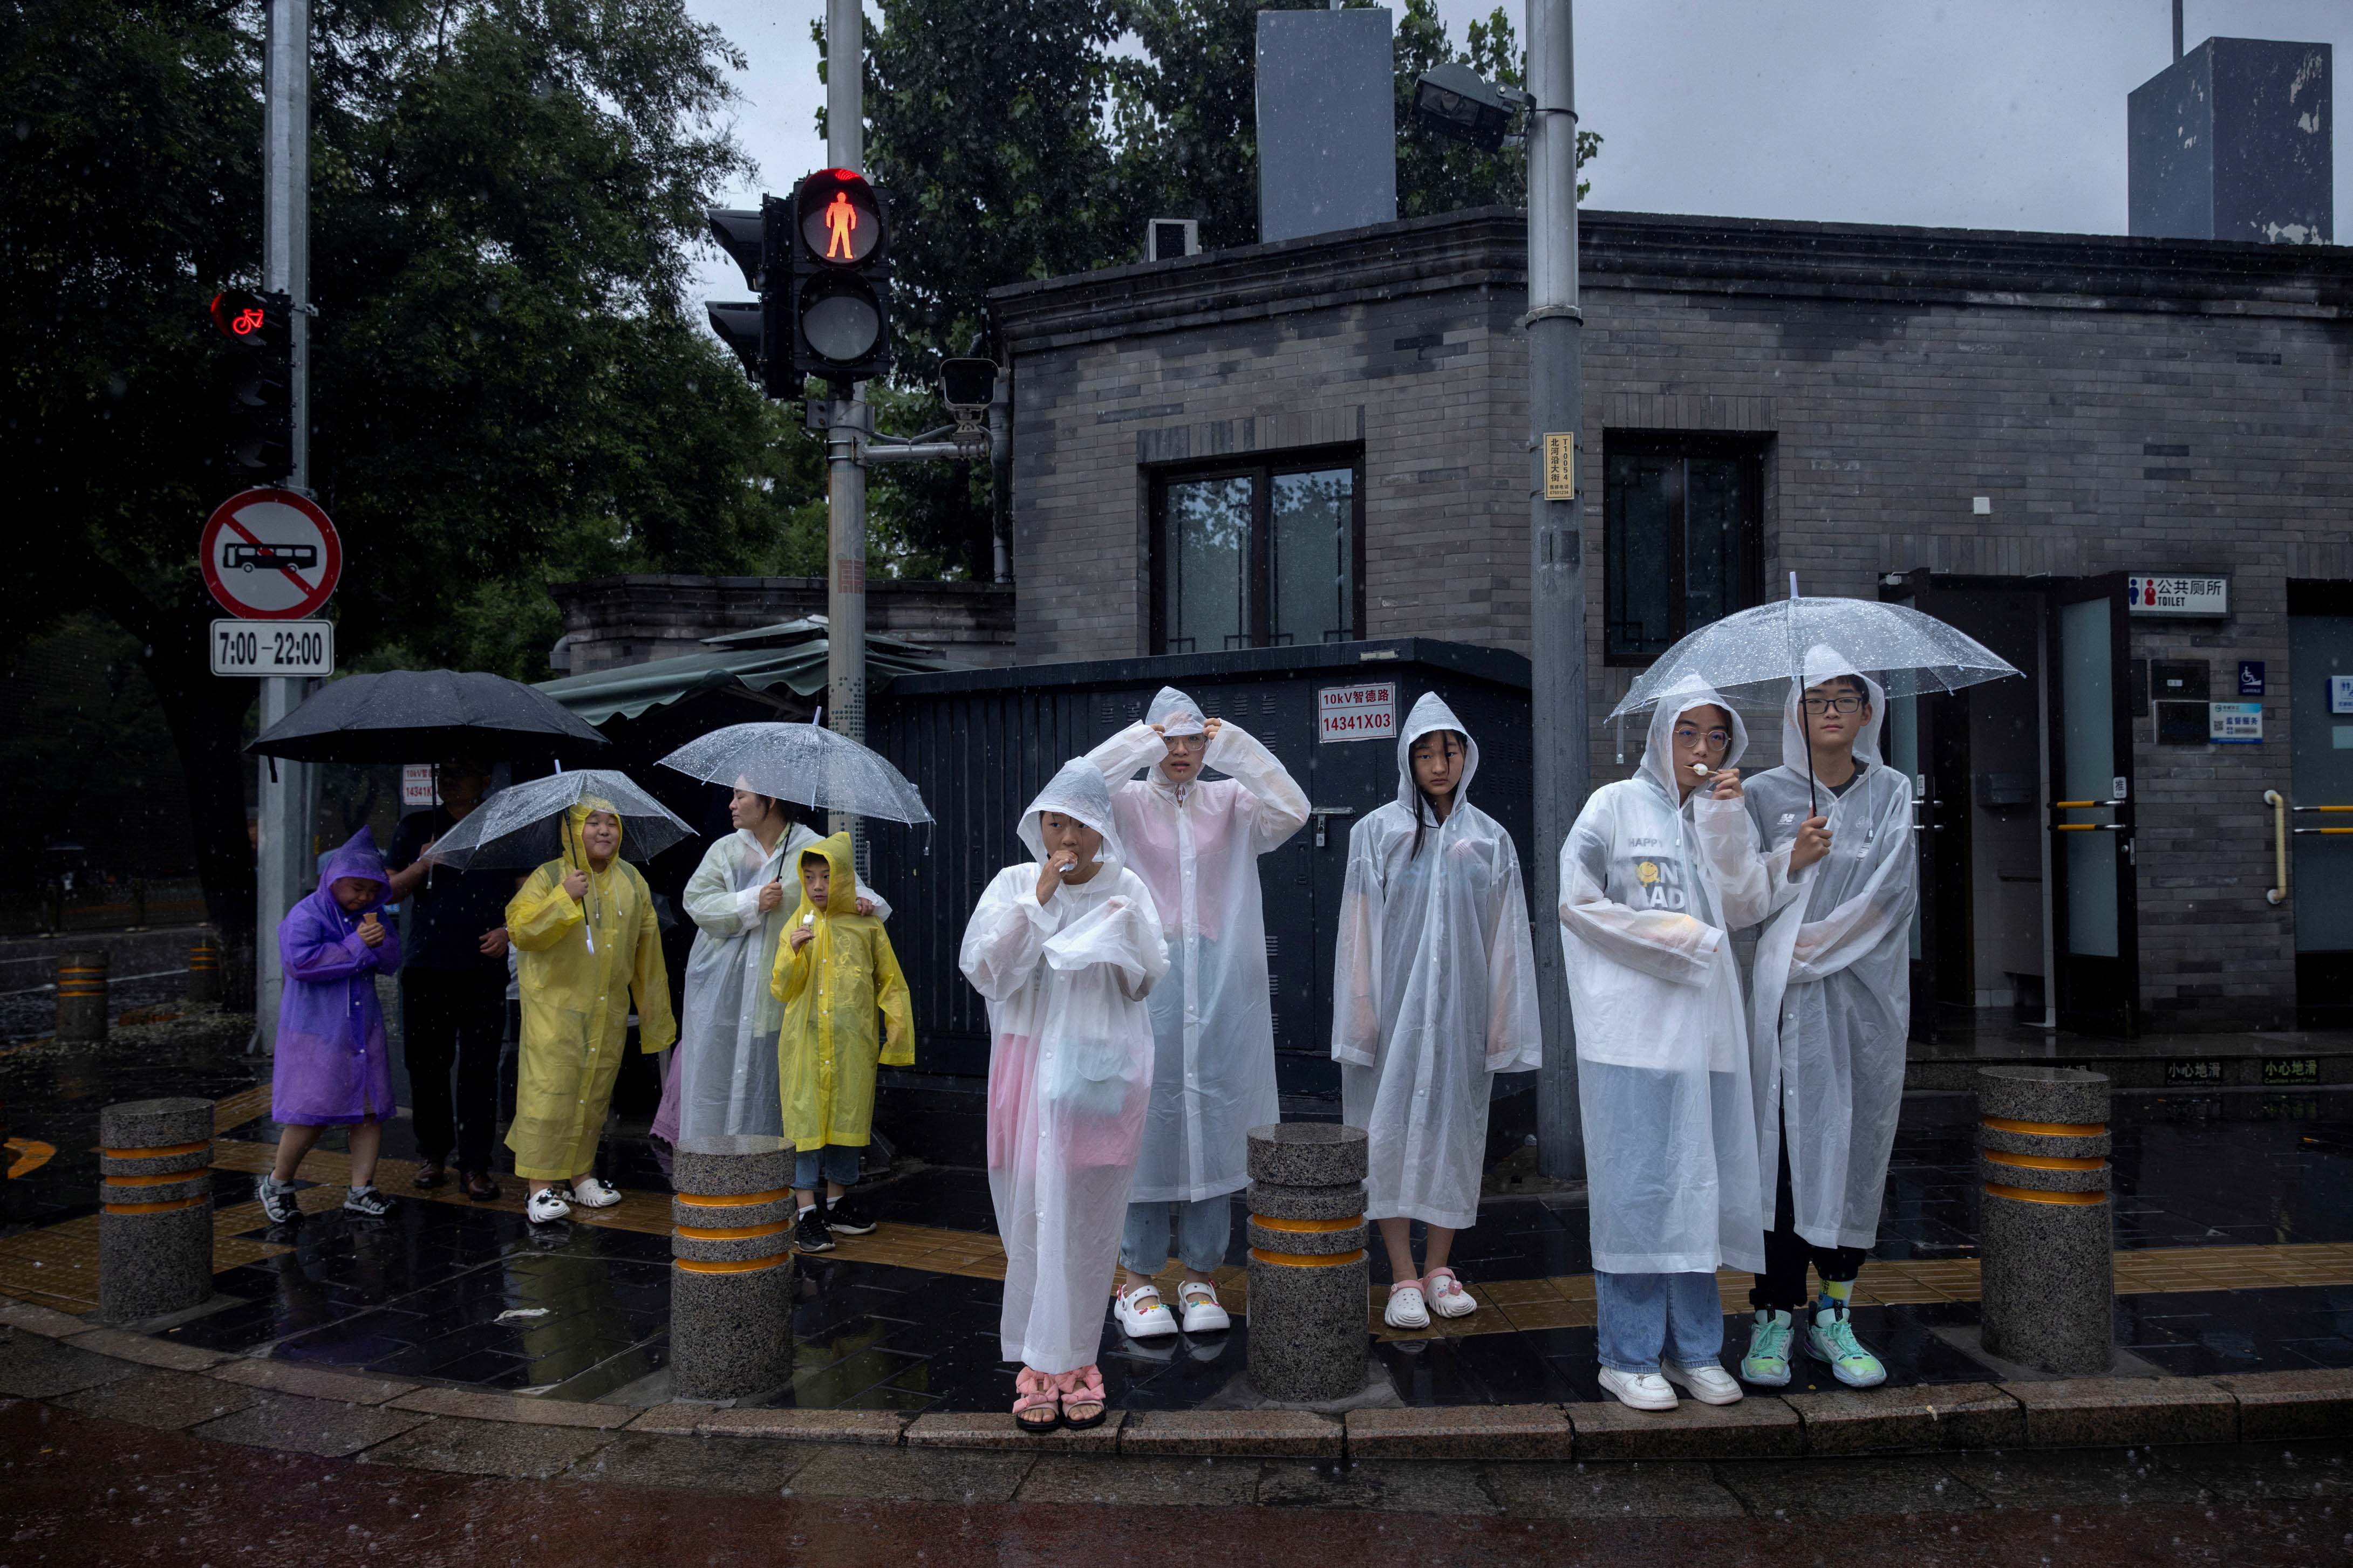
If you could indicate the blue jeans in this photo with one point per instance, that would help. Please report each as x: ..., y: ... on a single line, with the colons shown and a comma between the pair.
x: 1640, y: 1316
x: 1202, y: 1232
x: 837, y: 1162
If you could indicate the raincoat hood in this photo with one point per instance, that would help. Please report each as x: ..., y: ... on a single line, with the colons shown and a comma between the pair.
x: 1176, y: 714
x: 1822, y: 663
x: 575, y: 820
x: 1659, y: 747
x: 1430, y: 712
x: 841, y: 889
x: 1078, y: 791
x: 359, y: 857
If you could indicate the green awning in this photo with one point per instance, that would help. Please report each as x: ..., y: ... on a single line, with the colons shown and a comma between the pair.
x: 792, y: 654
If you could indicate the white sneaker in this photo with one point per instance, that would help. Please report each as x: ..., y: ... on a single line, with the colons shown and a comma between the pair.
x: 1709, y: 1384
x: 1202, y: 1313
x: 1638, y: 1390
x: 1142, y: 1315
x: 1446, y: 1296
x: 546, y: 1208
x: 1406, y: 1309
x: 595, y: 1194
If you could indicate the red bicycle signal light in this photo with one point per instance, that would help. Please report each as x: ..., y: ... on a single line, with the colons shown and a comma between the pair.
x: 839, y: 218
x: 240, y: 315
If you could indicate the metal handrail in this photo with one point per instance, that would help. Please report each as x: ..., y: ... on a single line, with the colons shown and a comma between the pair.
x: 2277, y: 892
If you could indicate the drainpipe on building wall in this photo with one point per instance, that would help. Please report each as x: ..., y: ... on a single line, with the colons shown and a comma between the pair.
x: 1000, y: 475
x: 1556, y: 654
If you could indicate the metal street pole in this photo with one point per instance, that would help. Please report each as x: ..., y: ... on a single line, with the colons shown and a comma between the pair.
x: 845, y: 593
x: 1558, y: 713
x: 282, y: 847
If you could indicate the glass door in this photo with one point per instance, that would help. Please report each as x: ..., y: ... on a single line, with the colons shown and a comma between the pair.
x: 2320, y: 789
x: 2093, y: 905
x: 1927, y: 740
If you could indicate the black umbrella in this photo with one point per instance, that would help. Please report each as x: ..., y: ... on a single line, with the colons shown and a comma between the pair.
x: 425, y: 715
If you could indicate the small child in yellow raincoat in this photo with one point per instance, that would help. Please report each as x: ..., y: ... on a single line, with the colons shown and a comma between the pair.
x: 835, y: 971
x: 584, y: 925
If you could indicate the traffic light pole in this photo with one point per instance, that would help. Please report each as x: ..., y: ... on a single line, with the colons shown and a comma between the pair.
x: 1557, y: 645
x: 845, y: 588
x: 282, y: 838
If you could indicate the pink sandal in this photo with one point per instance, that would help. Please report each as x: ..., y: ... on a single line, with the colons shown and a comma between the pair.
x: 1036, y: 1392
x: 1082, y: 1388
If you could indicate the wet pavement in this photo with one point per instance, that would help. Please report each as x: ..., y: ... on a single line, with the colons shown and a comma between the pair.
x: 2234, y: 1212
x: 85, y: 1488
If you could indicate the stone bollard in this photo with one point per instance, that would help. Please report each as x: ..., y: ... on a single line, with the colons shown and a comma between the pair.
x: 155, y: 1217
x: 82, y: 995
x: 1310, y: 1275
x: 731, y: 1286
x: 2047, y: 1295
x: 205, y: 971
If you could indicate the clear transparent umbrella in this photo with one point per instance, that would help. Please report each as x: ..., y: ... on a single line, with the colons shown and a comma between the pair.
x: 1752, y: 657
x: 521, y: 825
x: 807, y: 763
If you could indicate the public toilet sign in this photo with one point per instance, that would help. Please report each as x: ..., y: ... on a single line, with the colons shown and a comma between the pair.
x: 1366, y: 711
x: 2155, y: 595
x: 273, y: 647
x: 270, y: 555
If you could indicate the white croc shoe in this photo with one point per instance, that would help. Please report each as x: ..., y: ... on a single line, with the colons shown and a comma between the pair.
x: 1142, y: 1314
x: 1638, y: 1390
x: 546, y: 1206
x: 1406, y: 1309
x: 1202, y: 1313
x: 595, y: 1194
x: 1446, y: 1296
x: 1709, y: 1384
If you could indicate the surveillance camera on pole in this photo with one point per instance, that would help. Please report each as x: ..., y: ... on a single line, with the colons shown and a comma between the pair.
x: 1459, y: 104
x: 969, y: 386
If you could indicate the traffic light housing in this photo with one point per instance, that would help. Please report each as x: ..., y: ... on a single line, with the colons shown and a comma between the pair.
x: 259, y: 331
x: 841, y: 248
x: 760, y: 333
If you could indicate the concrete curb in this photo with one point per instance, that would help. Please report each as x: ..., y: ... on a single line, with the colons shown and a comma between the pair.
x: 42, y: 1351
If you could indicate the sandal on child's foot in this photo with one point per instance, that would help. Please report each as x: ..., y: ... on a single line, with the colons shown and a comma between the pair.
x: 1083, y: 1402
x: 1036, y: 1406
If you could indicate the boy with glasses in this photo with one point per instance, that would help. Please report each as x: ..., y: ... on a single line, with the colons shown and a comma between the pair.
x: 1831, y: 1007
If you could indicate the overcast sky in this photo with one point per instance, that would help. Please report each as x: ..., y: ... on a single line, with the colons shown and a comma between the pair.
x: 1970, y: 113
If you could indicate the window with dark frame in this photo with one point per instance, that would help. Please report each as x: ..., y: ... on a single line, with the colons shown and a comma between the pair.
x: 1265, y: 554
x: 1683, y: 541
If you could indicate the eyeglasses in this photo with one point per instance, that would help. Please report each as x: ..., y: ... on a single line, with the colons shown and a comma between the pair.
x: 1719, y: 739
x: 1849, y: 703
x: 1187, y: 743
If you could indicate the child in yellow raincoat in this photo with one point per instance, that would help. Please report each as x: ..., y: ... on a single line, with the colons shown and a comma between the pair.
x: 834, y: 971
x: 584, y: 927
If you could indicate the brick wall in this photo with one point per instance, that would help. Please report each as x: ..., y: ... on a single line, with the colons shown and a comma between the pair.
x: 2125, y: 405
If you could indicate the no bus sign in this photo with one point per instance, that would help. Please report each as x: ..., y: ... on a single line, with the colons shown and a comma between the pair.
x: 270, y: 555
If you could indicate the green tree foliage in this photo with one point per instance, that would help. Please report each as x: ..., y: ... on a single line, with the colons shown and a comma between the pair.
x: 506, y: 390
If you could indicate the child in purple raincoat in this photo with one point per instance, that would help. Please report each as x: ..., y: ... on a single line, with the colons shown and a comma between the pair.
x: 333, y: 1068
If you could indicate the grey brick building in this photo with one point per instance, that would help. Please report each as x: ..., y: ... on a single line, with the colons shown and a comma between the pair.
x: 1325, y: 439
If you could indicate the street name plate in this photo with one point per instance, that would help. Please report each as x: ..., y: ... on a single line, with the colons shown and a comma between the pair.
x: 273, y: 647
x: 1364, y: 711
x: 1560, y: 466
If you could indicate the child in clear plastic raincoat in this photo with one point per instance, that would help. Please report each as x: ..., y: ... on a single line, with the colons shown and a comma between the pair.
x: 332, y: 1067
x: 1657, y: 871
x: 1434, y: 993
x: 1195, y: 844
x: 835, y: 971
x: 723, y: 1074
x: 584, y: 927
x: 1830, y: 1008
x: 1065, y: 948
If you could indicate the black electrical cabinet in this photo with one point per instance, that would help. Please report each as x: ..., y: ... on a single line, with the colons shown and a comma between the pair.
x: 981, y: 743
